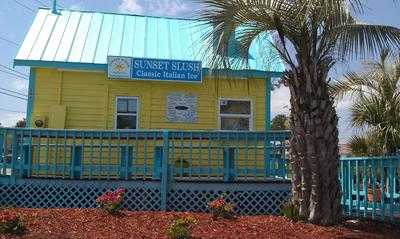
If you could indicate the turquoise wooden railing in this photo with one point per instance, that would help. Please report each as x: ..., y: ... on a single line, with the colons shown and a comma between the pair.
x: 371, y: 187
x: 125, y: 155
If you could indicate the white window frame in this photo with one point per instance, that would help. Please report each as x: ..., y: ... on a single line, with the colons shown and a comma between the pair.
x: 235, y: 115
x: 116, y: 110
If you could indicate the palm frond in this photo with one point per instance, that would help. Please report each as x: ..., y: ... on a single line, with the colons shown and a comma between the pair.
x: 316, y: 28
x: 352, y: 84
x: 247, y: 20
x: 358, y: 145
x: 367, y: 112
x: 359, y: 40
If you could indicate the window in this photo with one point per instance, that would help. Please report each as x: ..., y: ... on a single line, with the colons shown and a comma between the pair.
x: 127, y: 113
x: 235, y: 114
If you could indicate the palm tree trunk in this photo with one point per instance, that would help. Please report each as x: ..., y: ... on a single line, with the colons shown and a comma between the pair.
x: 314, y: 152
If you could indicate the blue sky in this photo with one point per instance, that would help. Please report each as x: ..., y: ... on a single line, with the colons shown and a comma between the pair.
x: 17, y: 15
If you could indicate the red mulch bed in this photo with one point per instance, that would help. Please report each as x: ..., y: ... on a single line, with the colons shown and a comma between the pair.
x: 93, y: 223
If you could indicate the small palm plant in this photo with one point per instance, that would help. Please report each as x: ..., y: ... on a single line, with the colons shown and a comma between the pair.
x: 376, y: 105
x: 11, y: 223
x: 366, y: 144
x: 181, y: 228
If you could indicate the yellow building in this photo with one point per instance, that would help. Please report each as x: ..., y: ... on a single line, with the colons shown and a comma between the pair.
x: 73, y: 85
x: 128, y: 101
x: 106, y: 87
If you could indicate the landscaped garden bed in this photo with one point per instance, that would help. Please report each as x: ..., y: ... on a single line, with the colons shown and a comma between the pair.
x: 95, y: 223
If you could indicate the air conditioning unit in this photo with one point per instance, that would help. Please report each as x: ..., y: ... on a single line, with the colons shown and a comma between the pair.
x: 39, y: 121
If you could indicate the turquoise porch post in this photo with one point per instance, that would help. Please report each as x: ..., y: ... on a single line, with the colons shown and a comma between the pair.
x: 229, y: 164
x: 31, y: 95
x: 267, y: 126
x: 164, y: 170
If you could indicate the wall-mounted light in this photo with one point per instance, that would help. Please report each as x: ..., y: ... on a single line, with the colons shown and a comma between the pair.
x: 39, y: 123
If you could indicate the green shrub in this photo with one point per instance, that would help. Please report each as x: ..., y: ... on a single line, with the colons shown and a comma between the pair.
x: 290, y: 211
x: 10, y: 223
x: 181, y: 228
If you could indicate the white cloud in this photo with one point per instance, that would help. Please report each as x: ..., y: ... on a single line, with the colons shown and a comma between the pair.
x: 78, y: 6
x: 343, y: 112
x: 280, y: 101
x: 344, y: 104
x: 156, y: 7
x: 131, y: 6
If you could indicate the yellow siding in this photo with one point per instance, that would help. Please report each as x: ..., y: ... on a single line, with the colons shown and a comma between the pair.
x: 90, y: 99
x: 57, y: 116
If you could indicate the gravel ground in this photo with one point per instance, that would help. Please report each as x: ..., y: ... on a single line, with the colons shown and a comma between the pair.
x: 94, y: 223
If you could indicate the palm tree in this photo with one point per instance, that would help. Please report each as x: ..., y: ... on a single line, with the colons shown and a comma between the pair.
x: 312, y: 35
x: 376, y: 100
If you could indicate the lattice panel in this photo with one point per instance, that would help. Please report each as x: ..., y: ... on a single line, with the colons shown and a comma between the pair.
x: 139, y: 196
x: 73, y: 196
x: 246, y: 202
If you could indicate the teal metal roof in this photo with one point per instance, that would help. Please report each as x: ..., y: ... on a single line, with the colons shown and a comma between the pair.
x: 83, y: 40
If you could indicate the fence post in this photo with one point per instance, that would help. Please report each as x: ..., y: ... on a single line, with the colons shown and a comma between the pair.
x: 164, y: 170
x: 157, y: 164
x: 14, y: 156
x: 26, y: 158
x: 76, y: 161
x: 126, y: 162
x: 282, y: 160
x: 229, y: 164
x: 267, y: 154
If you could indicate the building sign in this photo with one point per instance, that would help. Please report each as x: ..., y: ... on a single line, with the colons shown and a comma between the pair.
x: 181, y: 108
x: 119, y: 67
x: 154, y: 69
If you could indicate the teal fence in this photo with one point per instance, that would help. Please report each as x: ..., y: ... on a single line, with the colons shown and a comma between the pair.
x: 161, y: 170
x: 126, y: 155
x: 371, y: 187
x: 179, y: 167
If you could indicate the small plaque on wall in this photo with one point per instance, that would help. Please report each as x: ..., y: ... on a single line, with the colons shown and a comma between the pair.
x: 181, y: 108
x: 119, y: 67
